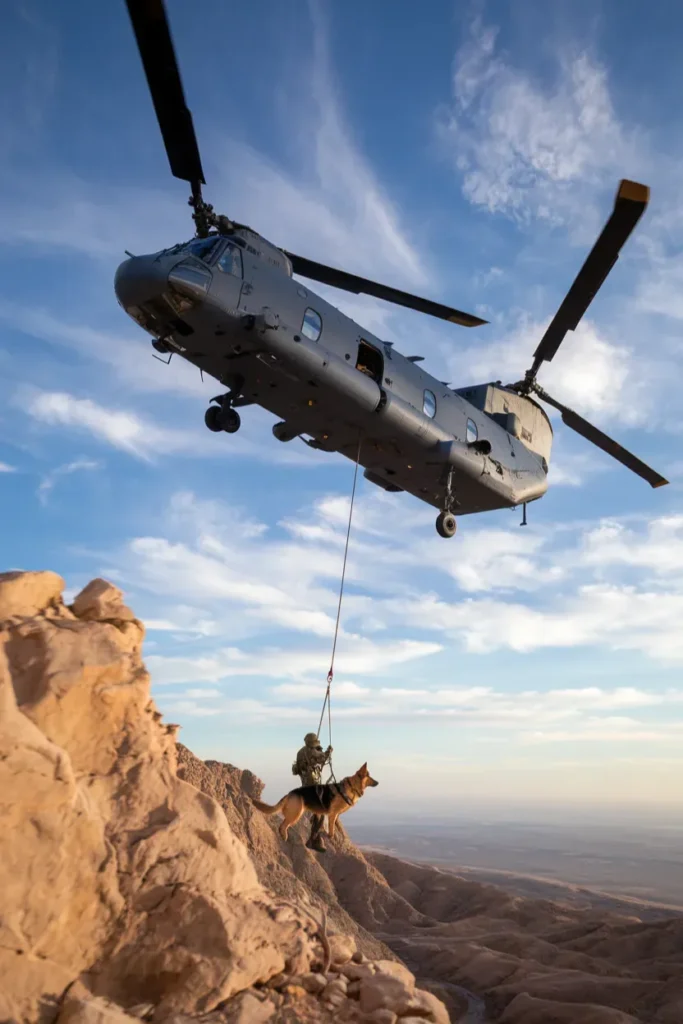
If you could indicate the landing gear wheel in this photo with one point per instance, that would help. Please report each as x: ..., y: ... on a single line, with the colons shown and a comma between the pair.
x: 212, y: 418
x: 218, y: 419
x: 446, y: 524
x: 230, y: 421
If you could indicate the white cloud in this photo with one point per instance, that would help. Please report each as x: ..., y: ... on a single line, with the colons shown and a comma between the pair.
x: 610, y: 729
x: 488, y: 559
x: 590, y: 373
x: 342, y: 691
x: 568, y: 587
x: 528, y: 148
x: 362, y: 657
x: 605, y: 615
x: 121, y: 429
x: 572, y: 470
x: 5, y: 468
x: 188, y: 622
x: 48, y: 482
x: 141, y: 437
x: 527, y: 717
x: 660, y: 549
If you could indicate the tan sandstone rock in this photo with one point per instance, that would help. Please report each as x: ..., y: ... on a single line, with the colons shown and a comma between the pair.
x: 426, y: 1006
x: 342, y: 948
x: 381, y: 1016
x: 28, y: 593
x: 100, y: 602
x: 93, y: 1011
x: 111, y: 868
x: 383, y: 991
x: 58, y: 879
x: 247, y: 1008
x: 395, y: 970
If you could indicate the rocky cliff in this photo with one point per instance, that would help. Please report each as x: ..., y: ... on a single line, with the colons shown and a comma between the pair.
x: 128, y: 892
x: 138, y: 882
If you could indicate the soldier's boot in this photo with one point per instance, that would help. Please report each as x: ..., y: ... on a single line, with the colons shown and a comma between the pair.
x: 315, y: 840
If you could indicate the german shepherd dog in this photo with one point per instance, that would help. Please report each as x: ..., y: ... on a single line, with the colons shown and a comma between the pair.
x: 331, y: 800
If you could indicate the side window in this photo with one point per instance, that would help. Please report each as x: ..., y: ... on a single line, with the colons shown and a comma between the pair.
x: 312, y: 325
x: 472, y: 433
x: 429, y: 404
x: 230, y: 261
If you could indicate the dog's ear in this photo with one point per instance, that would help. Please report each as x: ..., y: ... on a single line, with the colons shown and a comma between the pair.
x: 363, y: 770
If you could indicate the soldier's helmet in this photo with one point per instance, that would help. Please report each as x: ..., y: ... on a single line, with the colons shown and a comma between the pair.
x: 310, y: 739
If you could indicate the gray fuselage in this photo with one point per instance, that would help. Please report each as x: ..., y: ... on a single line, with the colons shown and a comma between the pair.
x: 230, y: 306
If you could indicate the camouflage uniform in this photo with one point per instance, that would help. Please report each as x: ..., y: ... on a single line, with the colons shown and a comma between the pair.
x: 308, y: 766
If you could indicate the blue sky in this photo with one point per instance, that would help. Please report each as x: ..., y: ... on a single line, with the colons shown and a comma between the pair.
x: 471, y: 156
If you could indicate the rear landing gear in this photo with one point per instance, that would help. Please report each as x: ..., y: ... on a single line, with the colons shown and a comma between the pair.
x: 222, y: 418
x: 446, y: 524
x: 445, y: 521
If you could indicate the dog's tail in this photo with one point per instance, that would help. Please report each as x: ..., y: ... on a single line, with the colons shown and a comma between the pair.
x: 268, y: 808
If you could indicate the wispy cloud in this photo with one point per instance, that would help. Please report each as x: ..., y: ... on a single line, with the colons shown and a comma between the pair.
x: 127, y: 351
x: 60, y: 212
x: 332, y: 207
x: 124, y: 430
x: 361, y: 657
x: 48, y: 482
x: 5, y: 468
x: 531, y: 149
x: 570, y: 470
x: 142, y: 437
x: 529, y: 717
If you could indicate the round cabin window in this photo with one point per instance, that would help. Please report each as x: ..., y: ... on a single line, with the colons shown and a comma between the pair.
x: 429, y: 404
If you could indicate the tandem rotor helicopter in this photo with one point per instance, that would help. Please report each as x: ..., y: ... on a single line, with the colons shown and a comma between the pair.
x: 227, y: 301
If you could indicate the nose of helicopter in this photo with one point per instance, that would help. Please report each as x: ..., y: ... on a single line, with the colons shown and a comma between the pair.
x: 141, y: 278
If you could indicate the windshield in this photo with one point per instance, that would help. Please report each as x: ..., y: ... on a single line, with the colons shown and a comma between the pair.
x: 201, y: 247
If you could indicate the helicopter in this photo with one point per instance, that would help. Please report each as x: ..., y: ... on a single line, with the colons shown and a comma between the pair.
x: 228, y: 301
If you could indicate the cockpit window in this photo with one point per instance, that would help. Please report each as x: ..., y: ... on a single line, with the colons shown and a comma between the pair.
x: 202, y: 247
x: 312, y: 325
x: 230, y: 260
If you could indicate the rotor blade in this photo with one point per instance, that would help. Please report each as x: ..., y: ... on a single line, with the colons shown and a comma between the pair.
x: 153, y: 36
x: 591, y: 433
x: 629, y: 204
x: 357, y: 285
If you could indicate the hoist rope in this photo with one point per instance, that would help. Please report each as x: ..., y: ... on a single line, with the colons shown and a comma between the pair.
x: 330, y: 675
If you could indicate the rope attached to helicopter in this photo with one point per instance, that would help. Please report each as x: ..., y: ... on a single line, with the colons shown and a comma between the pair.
x: 327, y: 703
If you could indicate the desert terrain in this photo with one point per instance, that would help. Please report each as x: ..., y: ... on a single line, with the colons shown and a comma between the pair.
x: 616, y: 866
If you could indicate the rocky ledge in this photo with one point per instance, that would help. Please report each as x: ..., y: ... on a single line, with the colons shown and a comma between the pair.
x: 126, y: 894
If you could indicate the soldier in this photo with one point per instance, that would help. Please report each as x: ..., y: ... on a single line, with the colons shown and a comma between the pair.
x: 308, y: 766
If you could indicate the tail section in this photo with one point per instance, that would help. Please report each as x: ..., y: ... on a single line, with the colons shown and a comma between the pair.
x: 268, y: 808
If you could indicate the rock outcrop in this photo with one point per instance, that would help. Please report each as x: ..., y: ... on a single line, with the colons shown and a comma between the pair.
x: 127, y: 893
x: 357, y: 898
